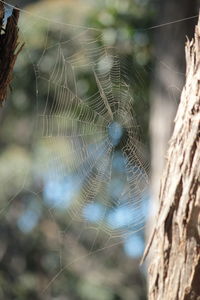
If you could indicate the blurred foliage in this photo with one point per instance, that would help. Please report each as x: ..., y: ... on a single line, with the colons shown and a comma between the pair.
x: 33, y: 240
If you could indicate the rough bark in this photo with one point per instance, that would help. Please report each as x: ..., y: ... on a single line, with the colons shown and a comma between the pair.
x: 174, y: 272
x: 168, y: 79
x: 8, y: 49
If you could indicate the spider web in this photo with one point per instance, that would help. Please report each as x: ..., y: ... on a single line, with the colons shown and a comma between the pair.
x: 92, y: 164
x: 91, y: 127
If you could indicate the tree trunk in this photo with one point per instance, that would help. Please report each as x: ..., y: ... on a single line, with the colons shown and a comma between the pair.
x: 174, y: 272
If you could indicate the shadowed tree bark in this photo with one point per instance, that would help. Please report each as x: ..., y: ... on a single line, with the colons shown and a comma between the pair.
x: 8, y: 49
x: 174, y: 271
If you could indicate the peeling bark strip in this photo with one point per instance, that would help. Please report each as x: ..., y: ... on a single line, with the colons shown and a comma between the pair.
x: 174, y: 272
x: 8, y: 47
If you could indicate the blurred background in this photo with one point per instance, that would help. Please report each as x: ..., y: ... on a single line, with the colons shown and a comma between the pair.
x: 49, y: 248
